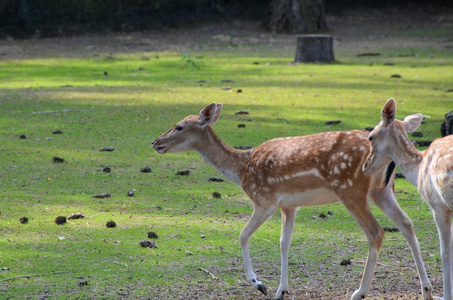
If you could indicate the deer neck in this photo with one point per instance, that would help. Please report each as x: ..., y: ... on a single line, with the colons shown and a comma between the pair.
x: 227, y: 160
x: 408, y: 158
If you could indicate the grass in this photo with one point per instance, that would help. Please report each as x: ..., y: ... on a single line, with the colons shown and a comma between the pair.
x: 125, y: 100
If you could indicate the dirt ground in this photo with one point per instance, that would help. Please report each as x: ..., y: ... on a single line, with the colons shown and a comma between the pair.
x: 353, y: 31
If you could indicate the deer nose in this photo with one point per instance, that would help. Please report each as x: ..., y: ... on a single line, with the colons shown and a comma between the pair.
x: 153, y: 142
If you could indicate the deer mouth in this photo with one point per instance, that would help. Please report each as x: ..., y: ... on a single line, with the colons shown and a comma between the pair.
x: 159, y: 149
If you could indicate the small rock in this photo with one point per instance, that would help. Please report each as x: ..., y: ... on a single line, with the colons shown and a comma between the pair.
x: 130, y: 193
x: 106, y: 170
x: 201, y: 81
x: 57, y: 132
x: 241, y: 125
x: 239, y: 91
x: 106, y: 73
x: 77, y: 215
x: 333, y: 122
x: 60, y: 220
x: 202, y: 236
x: 23, y: 220
x: 145, y: 170
x: 108, y: 149
x: 57, y: 159
x: 216, y: 195
x: 242, y: 112
x: 256, y: 63
x: 23, y: 137
x: 396, y: 76
x: 226, y: 88
x: 100, y: 196
x: 152, y: 235
x: 323, y: 216
x: 215, y: 179
x: 227, y: 80
x: 188, y: 252
x: 183, y: 173
x: 110, y: 224
x: 330, y: 213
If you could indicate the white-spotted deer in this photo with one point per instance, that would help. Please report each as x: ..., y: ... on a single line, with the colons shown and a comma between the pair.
x: 431, y: 171
x: 290, y: 172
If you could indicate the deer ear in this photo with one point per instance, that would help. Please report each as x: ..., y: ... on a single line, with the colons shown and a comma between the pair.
x: 388, y: 112
x: 412, y: 122
x: 210, y: 114
x: 216, y: 117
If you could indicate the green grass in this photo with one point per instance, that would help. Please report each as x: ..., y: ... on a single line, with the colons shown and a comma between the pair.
x: 132, y: 105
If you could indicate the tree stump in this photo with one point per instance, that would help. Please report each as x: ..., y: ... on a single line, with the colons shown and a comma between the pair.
x: 314, y: 48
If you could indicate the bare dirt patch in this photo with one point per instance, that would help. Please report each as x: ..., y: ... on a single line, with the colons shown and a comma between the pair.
x: 357, y: 31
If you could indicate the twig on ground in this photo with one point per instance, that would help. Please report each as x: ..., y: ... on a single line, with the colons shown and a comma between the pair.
x: 35, y: 275
x: 208, y: 272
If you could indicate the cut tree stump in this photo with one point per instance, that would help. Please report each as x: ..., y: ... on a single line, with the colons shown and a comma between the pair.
x: 314, y: 48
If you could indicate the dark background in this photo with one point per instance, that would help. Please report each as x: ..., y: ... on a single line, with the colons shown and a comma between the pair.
x: 45, y: 18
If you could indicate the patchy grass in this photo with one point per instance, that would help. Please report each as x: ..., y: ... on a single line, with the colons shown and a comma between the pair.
x: 124, y: 99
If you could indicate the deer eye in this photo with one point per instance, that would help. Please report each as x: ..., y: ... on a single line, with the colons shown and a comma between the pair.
x: 178, y: 128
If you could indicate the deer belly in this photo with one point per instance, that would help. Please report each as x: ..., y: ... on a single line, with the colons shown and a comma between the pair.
x: 312, y: 197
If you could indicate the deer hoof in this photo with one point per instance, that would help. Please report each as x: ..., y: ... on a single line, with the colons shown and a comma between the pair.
x: 358, y: 295
x: 262, y: 288
x: 282, y: 296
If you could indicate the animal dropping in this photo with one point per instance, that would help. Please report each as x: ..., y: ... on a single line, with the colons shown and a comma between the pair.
x: 289, y: 172
x: 183, y: 173
x: 57, y: 159
x: 145, y: 170
x: 101, y: 196
x: 110, y: 224
x: 148, y: 244
x: 60, y: 220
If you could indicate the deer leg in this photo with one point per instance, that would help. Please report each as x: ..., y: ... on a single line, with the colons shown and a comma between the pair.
x: 360, y: 211
x: 259, y: 216
x: 288, y: 218
x: 385, y: 200
x: 442, y: 219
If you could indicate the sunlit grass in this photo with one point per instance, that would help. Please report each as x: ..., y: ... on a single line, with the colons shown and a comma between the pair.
x: 125, y: 101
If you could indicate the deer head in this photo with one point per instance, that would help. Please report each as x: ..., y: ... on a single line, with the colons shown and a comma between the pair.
x: 185, y: 135
x: 389, y: 137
